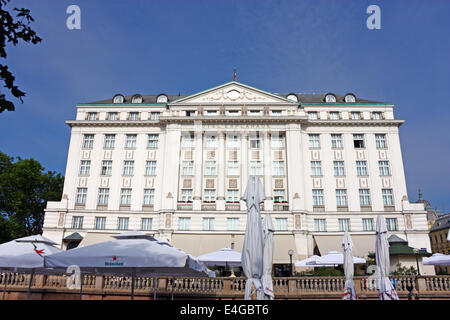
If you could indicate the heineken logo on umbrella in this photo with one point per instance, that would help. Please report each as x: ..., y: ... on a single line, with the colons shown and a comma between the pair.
x: 113, y: 263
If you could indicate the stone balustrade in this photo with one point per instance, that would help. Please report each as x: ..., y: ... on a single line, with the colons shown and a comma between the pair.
x: 119, y: 287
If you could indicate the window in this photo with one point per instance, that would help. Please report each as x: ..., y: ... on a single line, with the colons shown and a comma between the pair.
x: 312, y: 115
x: 383, y: 166
x: 146, y: 224
x: 278, y: 168
x: 339, y: 170
x: 330, y: 98
x: 336, y: 141
x: 361, y: 168
x: 344, y: 225
x: 255, y: 168
x: 367, y: 224
x: 125, y: 197
x: 320, y: 225
x: 113, y: 116
x: 356, y: 115
x: 106, y: 168
x: 211, y: 112
x: 255, y: 142
x: 88, y: 141
x: 364, y: 197
x: 189, y: 142
x: 154, y: 116
x: 210, y: 195
x: 128, y: 167
x: 136, y: 99
x: 152, y: 141
x: 149, y: 197
x: 276, y: 113
x: 317, y: 197
x: 233, y: 168
x: 277, y: 141
x: 188, y: 168
x: 233, y: 141
x: 150, y: 168
x: 131, y: 141
x: 118, y: 98
x: 388, y: 199
x: 380, y: 140
x: 100, y: 223
x: 281, y: 224
x: 232, y: 195
x: 391, y: 224
x: 349, y: 98
x: 210, y: 168
x: 314, y: 141
x: 377, y: 116
x: 81, y: 195
x: 208, y: 224
x: 85, y: 167
x: 162, y: 98
x: 92, y: 116
x: 316, y: 168
x: 122, y: 223
x: 103, y: 195
x: 341, y: 197
x: 278, y: 195
x: 211, y: 142
x: 133, y: 116
x: 184, y: 223
x: 334, y: 115
x: 110, y: 140
x: 358, y: 141
x: 233, y: 223
x: 77, y: 222
x: 186, y: 195
x: 255, y: 112
x: 233, y: 113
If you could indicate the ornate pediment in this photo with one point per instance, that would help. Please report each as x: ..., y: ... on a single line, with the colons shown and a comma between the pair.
x: 231, y: 93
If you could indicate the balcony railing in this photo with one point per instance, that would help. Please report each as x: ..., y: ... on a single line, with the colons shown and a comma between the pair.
x: 107, y: 286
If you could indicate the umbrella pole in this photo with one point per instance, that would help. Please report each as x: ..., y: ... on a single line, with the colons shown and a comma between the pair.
x: 6, y: 282
x: 154, y: 288
x: 133, y: 274
x: 29, y: 284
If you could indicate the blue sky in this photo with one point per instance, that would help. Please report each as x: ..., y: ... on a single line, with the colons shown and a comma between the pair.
x: 280, y: 46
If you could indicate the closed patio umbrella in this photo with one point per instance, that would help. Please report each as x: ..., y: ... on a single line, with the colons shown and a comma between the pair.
x: 253, y: 249
x: 347, y: 247
x: 268, y: 258
x: 385, y: 288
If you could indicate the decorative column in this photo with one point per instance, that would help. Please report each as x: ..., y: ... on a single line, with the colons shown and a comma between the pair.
x: 267, y: 157
x: 220, y: 201
x: 294, y: 167
x: 244, y: 166
x: 198, y: 171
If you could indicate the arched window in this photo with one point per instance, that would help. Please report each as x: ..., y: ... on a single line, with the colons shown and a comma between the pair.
x: 137, y: 98
x: 162, y: 98
x: 330, y: 97
x: 292, y: 97
x: 118, y: 98
x: 350, y: 98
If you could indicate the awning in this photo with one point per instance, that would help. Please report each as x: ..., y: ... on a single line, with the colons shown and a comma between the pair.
x: 74, y: 236
x: 96, y: 237
x: 200, y: 244
x: 362, y: 244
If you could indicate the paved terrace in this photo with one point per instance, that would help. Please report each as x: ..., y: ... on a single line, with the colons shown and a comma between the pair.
x: 103, y: 287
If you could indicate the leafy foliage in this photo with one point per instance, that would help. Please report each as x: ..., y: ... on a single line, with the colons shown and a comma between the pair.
x: 404, y: 271
x: 24, y: 191
x: 13, y: 30
x: 322, y: 272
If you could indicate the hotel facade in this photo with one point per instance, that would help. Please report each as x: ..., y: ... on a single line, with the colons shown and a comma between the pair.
x: 175, y: 166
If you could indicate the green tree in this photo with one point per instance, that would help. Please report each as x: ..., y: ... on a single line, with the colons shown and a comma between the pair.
x: 14, y: 27
x: 24, y: 191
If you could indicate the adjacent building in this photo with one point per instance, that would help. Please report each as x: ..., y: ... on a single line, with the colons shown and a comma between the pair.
x: 440, y: 240
x: 176, y: 166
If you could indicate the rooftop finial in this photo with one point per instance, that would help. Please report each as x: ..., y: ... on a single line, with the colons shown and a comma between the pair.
x: 420, y: 194
x: 234, y: 74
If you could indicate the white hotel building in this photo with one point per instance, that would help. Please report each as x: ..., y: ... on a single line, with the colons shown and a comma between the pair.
x: 176, y: 167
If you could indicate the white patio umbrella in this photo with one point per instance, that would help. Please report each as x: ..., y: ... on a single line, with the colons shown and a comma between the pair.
x: 385, y: 288
x: 223, y: 257
x: 26, y: 255
x: 134, y: 255
x: 334, y: 258
x: 349, y: 268
x: 311, y: 262
x: 253, y: 249
x: 267, y: 282
x: 437, y: 259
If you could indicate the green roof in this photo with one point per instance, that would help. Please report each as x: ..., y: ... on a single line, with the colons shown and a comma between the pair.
x: 403, y: 249
x: 74, y: 236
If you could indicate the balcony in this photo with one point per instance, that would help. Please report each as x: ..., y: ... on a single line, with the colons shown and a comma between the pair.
x: 184, y: 205
x: 232, y: 206
x: 280, y: 206
x: 208, y: 206
x: 118, y: 287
